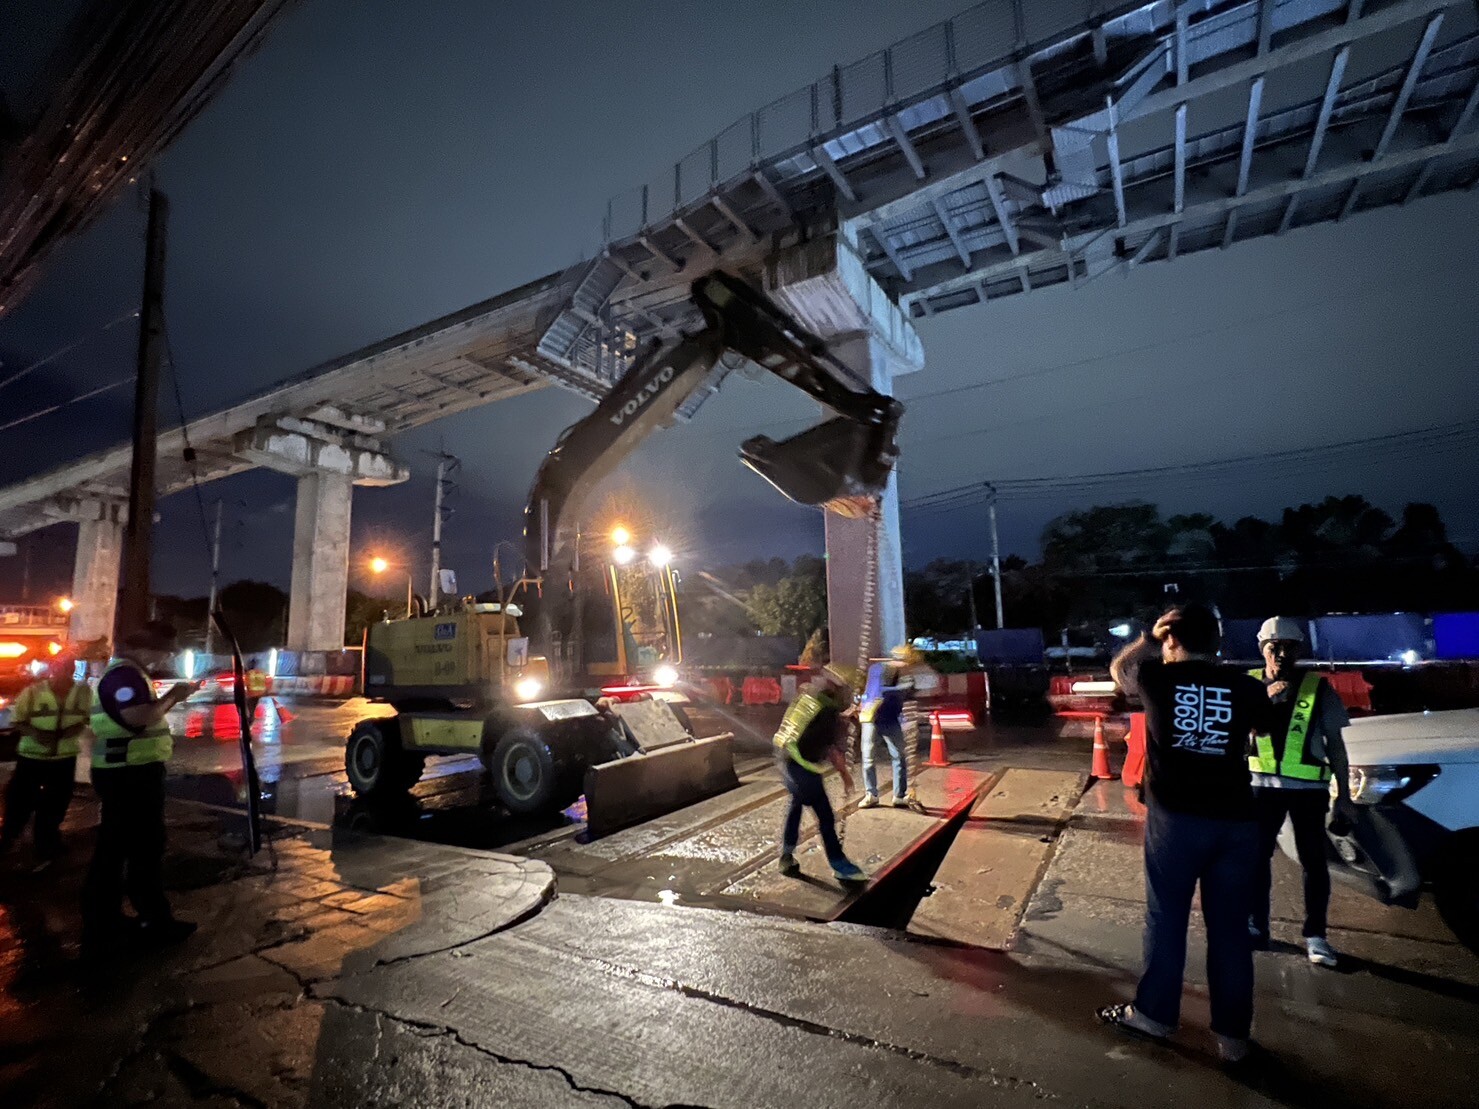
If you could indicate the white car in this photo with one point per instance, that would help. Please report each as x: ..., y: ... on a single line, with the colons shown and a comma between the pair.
x: 1415, y: 782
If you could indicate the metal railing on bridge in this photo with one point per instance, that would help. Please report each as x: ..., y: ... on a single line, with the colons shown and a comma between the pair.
x: 981, y: 38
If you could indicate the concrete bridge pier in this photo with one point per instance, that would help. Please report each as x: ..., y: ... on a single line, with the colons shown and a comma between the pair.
x: 825, y: 285
x: 96, y: 568
x: 329, y: 452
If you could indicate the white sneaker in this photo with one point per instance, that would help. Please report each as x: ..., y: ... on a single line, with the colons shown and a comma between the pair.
x: 1320, y: 951
x: 869, y: 801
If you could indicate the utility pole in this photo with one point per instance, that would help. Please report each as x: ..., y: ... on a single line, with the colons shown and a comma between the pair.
x: 138, y: 530
x: 446, y: 463
x: 995, y: 557
x: 970, y: 594
x: 210, y: 608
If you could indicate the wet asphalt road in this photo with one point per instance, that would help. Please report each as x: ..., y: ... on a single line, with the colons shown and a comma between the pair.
x: 299, y: 751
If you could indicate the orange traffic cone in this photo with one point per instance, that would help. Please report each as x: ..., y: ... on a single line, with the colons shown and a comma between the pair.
x: 1100, y: 770
x: 938, y: 755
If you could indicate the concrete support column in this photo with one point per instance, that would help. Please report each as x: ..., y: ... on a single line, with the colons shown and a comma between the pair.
x: 826, y: 286
x: 95, y: 570
x: 329, y: 451
x: 320, y: 562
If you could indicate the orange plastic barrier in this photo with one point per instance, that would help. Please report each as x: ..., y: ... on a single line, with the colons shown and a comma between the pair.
x: 761, y: 691
x: 1354, y: 690
x: 722, y: 690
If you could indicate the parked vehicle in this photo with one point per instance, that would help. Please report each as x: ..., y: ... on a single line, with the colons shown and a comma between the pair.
x: 1415, y: 781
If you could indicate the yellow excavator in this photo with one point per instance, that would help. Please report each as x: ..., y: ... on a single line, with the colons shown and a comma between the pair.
x: 585, y: 710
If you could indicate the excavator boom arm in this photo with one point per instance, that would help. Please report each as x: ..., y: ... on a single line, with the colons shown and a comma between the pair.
x: 840, y: 464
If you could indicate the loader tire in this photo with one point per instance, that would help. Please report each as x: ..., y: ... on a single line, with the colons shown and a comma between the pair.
x: 524, y: 774
x: 376, y: 763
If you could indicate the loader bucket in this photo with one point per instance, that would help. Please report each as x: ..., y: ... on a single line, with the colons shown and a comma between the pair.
x: 841, y: 465
x: 627, y: 791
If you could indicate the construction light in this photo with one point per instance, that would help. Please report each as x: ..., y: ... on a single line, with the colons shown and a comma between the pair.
x: 272, y: 663
x: 1121, y: 631
x: 526, y: 689
x: 378, y: 565
x: 620, y: 536
x: 1411, y: 658
x: 187, y: 665
x: 623, y: 555
x: 660, y: 555
x: 665, y: 676
x: 65, y: 604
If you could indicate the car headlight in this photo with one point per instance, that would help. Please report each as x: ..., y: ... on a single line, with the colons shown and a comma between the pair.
x: 665, y: 676
x: 526, y: 689
x: 1374, y: 785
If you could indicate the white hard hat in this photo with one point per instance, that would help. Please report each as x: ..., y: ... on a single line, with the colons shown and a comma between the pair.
x: 1280, y: 628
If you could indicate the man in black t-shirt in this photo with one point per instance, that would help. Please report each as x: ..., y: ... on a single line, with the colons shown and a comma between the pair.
x: 1199, y: 826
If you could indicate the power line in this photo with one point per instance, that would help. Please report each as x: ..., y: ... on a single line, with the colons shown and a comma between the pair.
x: 63, y: 351
x: 47, y: 411
x: 1442, y: 437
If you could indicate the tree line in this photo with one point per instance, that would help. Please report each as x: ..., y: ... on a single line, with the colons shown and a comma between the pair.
x: 1113, y: 562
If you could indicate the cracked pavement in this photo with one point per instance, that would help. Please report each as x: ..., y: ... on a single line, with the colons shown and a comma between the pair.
x: 355, y: 970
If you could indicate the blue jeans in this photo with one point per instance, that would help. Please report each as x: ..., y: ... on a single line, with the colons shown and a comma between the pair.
x: 892, y: 735
x: 1181, y: 850
x: 808, y: 791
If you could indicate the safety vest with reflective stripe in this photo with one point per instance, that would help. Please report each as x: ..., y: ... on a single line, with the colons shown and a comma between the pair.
x: 801, y: 712
x: 1293, y: 764
x: 115, y: 745
x: 256, y: 683
x: 37, y: 706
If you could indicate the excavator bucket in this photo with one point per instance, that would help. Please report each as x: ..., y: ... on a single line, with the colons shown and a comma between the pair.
x: 840, y: 465
x: 670, y: 770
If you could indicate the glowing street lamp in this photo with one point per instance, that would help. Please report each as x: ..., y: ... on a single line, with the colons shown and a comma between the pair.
x: 620, y: 536
x: 623, y: 555
x: 379, y: 565
x: 660, y: 555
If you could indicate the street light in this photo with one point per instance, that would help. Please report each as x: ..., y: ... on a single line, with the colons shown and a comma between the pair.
x: 660, y: 555
x: 379, y: 565
x: 620, y: 536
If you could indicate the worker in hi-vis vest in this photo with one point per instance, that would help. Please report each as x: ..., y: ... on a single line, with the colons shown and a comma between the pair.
x: 1292, y: 767
x: 51, y: 714
x: 131, y: 745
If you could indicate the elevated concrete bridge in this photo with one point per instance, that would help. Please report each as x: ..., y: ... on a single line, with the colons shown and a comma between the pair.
x: 1018, y: 145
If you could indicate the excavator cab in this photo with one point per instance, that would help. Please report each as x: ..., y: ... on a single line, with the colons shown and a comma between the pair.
x: 840, y: 465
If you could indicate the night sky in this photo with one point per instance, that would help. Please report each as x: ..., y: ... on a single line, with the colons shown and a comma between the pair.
x: 378, y: 164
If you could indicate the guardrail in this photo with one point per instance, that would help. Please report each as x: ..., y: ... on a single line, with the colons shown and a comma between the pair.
x: 985, y: 36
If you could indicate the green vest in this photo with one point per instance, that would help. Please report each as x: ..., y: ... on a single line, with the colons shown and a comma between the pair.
x: 115, y: 745
x: 801, y: 712
x: 37, y: 706
x: 1293, y: 764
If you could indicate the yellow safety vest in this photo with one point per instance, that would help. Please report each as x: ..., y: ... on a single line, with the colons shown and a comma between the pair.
x: 801, y: 712
x: 115, y: 745
x: 1293, y: 764
x: 37, y: 706
x: 256, y: 683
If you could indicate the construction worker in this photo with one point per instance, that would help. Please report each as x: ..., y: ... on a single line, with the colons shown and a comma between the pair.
x: 890, y: 686
x: 813, y: 734
x: 132, y: 743
x: 1199, y: 827
x: 1292, y: 766
x: 924, y: 686
x: 51, y: 715
x: 257, y: 685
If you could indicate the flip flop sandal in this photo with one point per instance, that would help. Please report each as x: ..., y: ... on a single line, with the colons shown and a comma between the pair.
x: 1117, y: 1016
